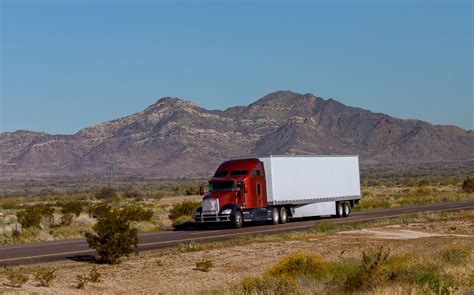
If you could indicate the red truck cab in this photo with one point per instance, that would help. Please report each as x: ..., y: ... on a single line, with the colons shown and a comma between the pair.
x: 236, y: 193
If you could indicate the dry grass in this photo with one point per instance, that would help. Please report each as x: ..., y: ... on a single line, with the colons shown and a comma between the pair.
x: 158, y: 271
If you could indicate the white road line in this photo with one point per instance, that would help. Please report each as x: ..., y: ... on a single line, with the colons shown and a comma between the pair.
x: 224, y: 235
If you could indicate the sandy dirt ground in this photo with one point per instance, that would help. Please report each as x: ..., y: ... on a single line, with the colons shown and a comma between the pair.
x: 171, y: 272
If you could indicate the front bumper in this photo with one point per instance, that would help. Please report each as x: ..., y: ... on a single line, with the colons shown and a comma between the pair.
x: 205, y: 218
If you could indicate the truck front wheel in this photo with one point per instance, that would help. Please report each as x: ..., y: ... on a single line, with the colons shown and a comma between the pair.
x: 283, y: 215
x: 238, y: 219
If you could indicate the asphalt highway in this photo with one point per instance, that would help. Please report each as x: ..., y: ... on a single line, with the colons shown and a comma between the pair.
x: 78, y: 249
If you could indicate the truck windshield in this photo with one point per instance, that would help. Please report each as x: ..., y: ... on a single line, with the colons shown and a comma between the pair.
x: 221, y: 186
x: 220, y: 173
x: 238, y: 172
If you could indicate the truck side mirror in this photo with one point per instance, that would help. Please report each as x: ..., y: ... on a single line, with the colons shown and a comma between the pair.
x: 201, y: 190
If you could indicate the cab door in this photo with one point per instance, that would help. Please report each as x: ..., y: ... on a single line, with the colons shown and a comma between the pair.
x: 259, y: 193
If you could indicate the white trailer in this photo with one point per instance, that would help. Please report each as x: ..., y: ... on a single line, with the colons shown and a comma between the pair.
x: 278, y: 188
x: 312, y: 185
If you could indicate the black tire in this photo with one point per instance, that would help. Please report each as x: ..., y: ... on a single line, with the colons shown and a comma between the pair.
x: 238, y: 219
x: 339, y: 210
x: 283, y: 215
x: 275, y: 216
x: 346, y: 209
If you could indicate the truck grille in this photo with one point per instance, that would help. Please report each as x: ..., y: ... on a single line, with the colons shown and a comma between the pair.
x: 210, y: 206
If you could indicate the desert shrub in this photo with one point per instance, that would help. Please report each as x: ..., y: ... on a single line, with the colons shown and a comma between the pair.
x: 94, y: 275
x: 136, y: 213
x: 97, y: 210
x: 106, y: 192
x: 47, y: 212
x: 204, y: 265
x: 9, y: 204
x: 448, y: 181
x: 185, y: 208
x: 16, y: 277
x: 370, y: 272
x: 300, y: 265
x: 155, y: 195
x: 423, y: 190
x: 29, y: 217
x: 192, y: 190
x: 66, y: 219
x: 6, y: 238
x: 267, y: 285
x: 367, y: 194
x: 468, y: 185
x: 455, y: 254
x: 81, y: 281
x: 132, y: 194
x: 45, y: 276
x: 429, y: 274
x: 72, y: 208
x: 113, y: 235
x: 374, y: 203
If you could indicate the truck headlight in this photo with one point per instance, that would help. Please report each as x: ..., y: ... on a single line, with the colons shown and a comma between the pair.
x: 226, y: 211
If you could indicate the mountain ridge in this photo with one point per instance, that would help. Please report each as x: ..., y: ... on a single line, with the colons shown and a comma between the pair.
x: 177, y: 138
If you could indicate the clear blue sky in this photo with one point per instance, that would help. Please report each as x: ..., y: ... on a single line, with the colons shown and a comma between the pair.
x: 69, y: 64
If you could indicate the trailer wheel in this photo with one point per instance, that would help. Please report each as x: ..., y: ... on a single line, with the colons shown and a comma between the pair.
x: 339, y: 210
x: 275, y: 216
x: 347, y: 209
x: 237, y: 219
x: 283, y: 215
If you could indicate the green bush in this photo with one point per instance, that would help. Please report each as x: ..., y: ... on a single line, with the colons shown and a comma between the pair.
x: 113, y: 235
x: 72, y: 208
x: 185, y: 208
x: 267, y: 285
x: 106, y: 193
x: 455, y: 254
x: 468, y: 185
x: 300, y: 265
x: 430, y: 274
x: 47, y: 212
x: 30, y: 217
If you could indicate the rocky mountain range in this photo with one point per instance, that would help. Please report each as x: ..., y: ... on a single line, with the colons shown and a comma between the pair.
x: 176, y: 138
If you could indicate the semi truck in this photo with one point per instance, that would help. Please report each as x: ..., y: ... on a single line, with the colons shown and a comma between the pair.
x: 279, y: 188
